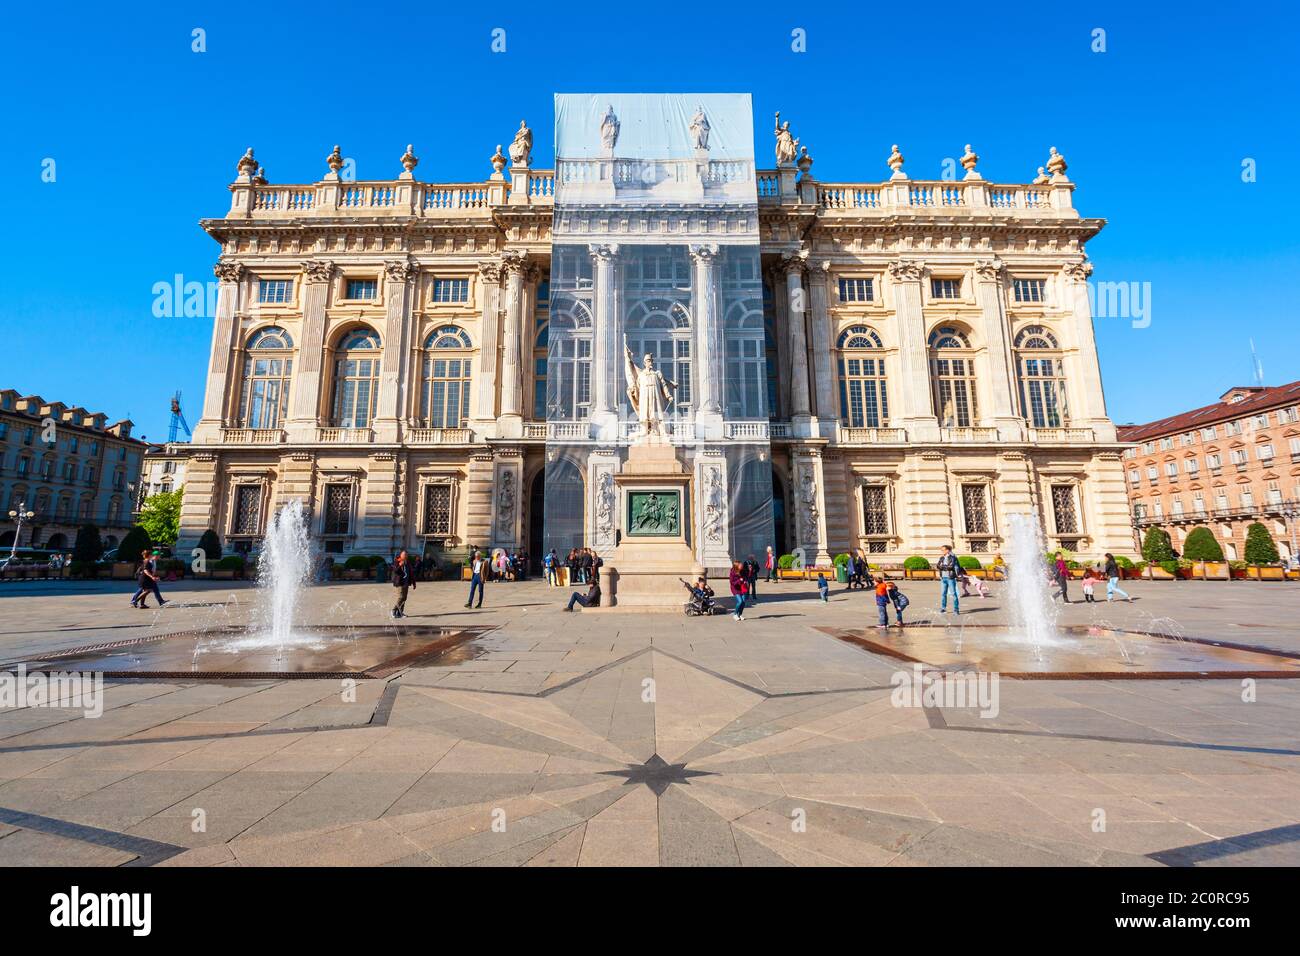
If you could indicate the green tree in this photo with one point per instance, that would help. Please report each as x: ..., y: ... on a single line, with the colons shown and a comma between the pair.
x: 1260, y: 548
x: 211, y: 545
x: 1156, y: 546
x: 1202, y: 545
x: 136, y: 540
x: 88, y: 546
x: 161, y: 516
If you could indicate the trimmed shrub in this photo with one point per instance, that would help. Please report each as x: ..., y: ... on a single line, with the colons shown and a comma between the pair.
x: 785, y: 562
x: 377, y: 559
x: 231, y: 562
x: 88, y: 546
x: 1156, y: 546
x: 1260, y: 548
x: 970, y: 562
x: 1202, y: 545
x: 1169, y: 567
x: 82, y: 569
x: 841, y: 559
x: 211, y: 545
x: 357, y: 562
x: 916, y: 563
x: 1123, y: 562
x: 136, y: 540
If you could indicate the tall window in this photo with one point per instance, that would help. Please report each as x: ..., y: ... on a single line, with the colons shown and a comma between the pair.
x: 662, y: 327
x: 746, y: 371
x: 864, y: 399
x: 975, y: 512
x: 444, y: 395
x: 338, y: 508
x: 247, y: 518
x: 1065, y: 510
x: 952, y: 368
x: 356, y: 379
x: 1042, y: 379
x: 568, y: 373
x: 268, y: 366
x: 437, y: 509
x: 875, y: 510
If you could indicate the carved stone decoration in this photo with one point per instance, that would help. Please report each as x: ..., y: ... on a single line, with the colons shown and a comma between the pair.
x: 895, y: 160
x: 787, y: 147
x: 228, y: 271
x: 605, y: 507
x: 805, y: 163
x: 609, y: 127
x: 514, y: 260
x: 715, y: 505
x: 907, y: 270
x: 1042, y: 178
x: 398, y: 270
x: 409, y: 160
x: 990, y: 268
x: 259, y: 178
x: 506, y: 504
x: 700, y: 129
x: 247, y: 164
x: 335, y: 160
x: 1078, y: 271
x: 808, y: 511
x: 521, y: 149
x: 498, y: 161
x: 318, y: 270
x: 968, y: 161
x: 1056, y: 163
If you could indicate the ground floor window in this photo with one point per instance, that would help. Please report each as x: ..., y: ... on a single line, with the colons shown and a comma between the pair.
x: 248, y: 510
x: 338, y: 508
x: 437, y: 510
x: 1064, y: 509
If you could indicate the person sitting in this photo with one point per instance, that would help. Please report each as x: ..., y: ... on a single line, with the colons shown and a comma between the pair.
x: 592, y: 598
x: 701, y: 600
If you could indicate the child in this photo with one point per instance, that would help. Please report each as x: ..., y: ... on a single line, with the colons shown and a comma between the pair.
x: 823, y: 586
x: 900, y: 602
x: 1090, y: 578
x: 968, y: 581
x: 882, y: 602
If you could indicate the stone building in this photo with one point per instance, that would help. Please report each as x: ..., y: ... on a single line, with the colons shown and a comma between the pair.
x: 163, y: 470
x: 380, y: 350
x: 1223, y: 466
x: 69, y: 467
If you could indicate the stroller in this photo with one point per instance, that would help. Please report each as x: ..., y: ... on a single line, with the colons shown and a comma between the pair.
x: 701, y: 602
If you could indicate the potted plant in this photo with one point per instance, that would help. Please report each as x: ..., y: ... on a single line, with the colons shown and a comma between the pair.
x: 228, y: 568
x: 785, y: 568
x: 917, y: 568
x: 1261, y: 554
x: 1237, y: 570
x: 1203, y: 550
x: 972, y: 565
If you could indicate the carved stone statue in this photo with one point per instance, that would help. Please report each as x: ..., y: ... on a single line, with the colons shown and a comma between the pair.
x: 808, y: 498
x: 506, y: 501
x: 714, y: 506
x: 609, y: 127
x: 787, y: 147
x: 521, y: 149
x: 649, y: 392
x: 700, y: 128
x: 605, y: 506
x: 968, y: 161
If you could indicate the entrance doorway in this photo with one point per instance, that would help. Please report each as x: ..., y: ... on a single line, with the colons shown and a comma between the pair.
x: 778, y: 516
x: 536, y: 521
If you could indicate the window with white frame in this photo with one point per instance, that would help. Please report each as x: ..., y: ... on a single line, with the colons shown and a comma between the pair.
x: 952, y: 369
x: 1294, y: 445
x: 1189, y: 438
x: 864, y: 397
x: 568, y: 369
x: 1198, y: 502
x: 1274, y: 493
x: 1214, y: 461
x: 1042, y: 378
x: 945, y: 288
x: 444, y: 392
x: 856, y: 290
x: 1029, y: 290
x: 1192, y: 466
x: 1265, y: 452
x: 1153, y: 474
x: 268, y: 368
x: 362, y: 289
x: 356, y: 379
x: 275, y: 291
x: 1166, y: 444
x: 1221, y: 498
x: 1238, y: 456
x: 1171, y: 469
x: 446, y: 291
x: 1288, y: 416
x: 1133, y: 476
x: 1247, y: 497
x: 1209, y: 433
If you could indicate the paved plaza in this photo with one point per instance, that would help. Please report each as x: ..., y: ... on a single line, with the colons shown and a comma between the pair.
x: 608, y: 738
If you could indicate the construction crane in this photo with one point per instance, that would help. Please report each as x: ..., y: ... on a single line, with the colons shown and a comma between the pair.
x: 178, y: 420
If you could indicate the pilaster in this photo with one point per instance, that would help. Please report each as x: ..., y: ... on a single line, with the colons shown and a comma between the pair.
x: 309, y: 370
x: 225, y: 342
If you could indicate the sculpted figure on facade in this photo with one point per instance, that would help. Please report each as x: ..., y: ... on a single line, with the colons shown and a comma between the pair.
x: 700, y: 128
x: 650, y: 393
x: 521, y: 148
x: 609, y: 127
x: 605, y: 506
x: 808, y: 505
x: 506, y: 502
x: 787, y: 147
x: 715, y: 508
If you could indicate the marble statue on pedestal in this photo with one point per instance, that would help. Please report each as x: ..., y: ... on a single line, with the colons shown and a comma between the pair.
x: 700, y: 128
x: 787, y: 147
x: 609, y: 127
x: 649, y: 392
x: 521, y: 148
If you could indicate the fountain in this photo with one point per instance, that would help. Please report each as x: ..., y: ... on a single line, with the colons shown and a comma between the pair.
x: 282, y: 573
x: 1028, y: 600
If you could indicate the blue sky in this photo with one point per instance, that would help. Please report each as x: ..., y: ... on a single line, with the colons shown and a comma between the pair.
x: 145, y: 135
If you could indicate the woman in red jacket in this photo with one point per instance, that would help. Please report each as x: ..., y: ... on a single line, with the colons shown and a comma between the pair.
x: 739, y: 587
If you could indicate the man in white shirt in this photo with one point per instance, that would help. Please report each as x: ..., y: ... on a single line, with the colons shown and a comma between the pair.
x: 476, y: 570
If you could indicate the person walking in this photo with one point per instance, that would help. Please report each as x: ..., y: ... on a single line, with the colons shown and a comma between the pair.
x: 403, y: 579
x: 769, y: 565
x: 738, y: 588
x: 549, y: 563
x: 948, y: 565
x: 1061, y: 571
x: 1111, y: 570
x: 144, y: 582
x: 823, y: 587
x: 592, y: 598
x: 476, y: 571
x: 151, y: 559
x: 751, y: 578
x: 1090, y: 578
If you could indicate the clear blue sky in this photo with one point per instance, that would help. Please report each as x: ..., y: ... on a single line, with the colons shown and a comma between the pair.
x: 145, y: 135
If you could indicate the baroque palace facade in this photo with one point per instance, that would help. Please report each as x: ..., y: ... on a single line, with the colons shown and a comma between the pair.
x: 381, y: 351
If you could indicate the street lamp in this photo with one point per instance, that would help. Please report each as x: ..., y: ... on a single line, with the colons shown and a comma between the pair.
x: 21, y: 515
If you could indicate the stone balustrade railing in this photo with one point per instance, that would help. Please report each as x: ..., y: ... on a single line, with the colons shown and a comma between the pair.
x: 927, y: 196
x: 344, y: 436
x: 438, y: 436
x: 1060, y: 436
x: 871, y: 436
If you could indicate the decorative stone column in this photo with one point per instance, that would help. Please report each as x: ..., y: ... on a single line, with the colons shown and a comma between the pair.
x: 990, y: 293
x: 606, y: 345
x: 809, y: 504
x: 310, y: 374
x: 483, y: 412
x: 1091, y: 410
x: 225, y: 342
x: 603, y: 506
x: 712, y: 509
x: 826, y: 407
x: 800, y: 409
x: 709, y: 348
x: 510, y: 424
x: 507, y: 483
x: 394, y: 398
x: 916, y: 405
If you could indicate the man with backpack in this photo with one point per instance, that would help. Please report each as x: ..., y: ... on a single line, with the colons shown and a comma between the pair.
x: 947, y: 565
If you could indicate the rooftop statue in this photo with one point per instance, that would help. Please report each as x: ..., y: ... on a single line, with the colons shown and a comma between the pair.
x: 609, y: 127
x: 787, y: 147
x: 700, y: 128
x: 521, y: 149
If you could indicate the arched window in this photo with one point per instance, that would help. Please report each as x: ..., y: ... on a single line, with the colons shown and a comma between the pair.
x: 864, y: 398
x: 1042, y: 378
x: 356, y: 379
x: 661, y: 326
x: 746, y: 368
x: 568, y: 371
x: 444, y: 392
x: 268, y: 367
x: 952, y: 369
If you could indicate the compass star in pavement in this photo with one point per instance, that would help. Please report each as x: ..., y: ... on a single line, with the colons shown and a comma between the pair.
x: 657, y: 774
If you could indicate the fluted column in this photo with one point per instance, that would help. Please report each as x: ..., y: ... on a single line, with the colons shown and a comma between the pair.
x: 915, y: 403
x: 709, y: 356
x: 510, y: 424
x: 484, y: 409
x: 825, y: 407
x: 393, y: 400
x: 225, y: 330
x: 999, y: 392
x: 310, y: 374
x: 606, y: 347
x: 796, y: 307
x: 1091, y: 411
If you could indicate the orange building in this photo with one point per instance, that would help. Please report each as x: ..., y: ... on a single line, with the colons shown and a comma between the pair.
x: 1223, y: 466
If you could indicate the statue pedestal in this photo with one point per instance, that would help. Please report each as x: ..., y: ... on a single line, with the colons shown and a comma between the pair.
x: 654, y: 556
